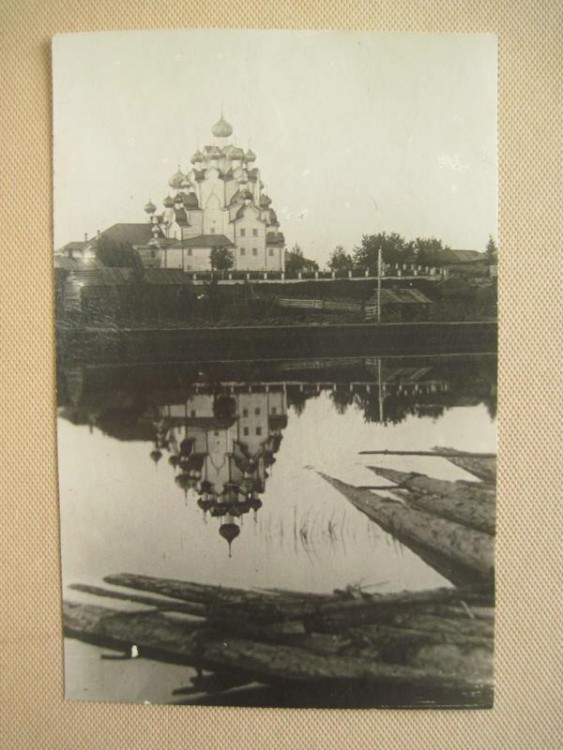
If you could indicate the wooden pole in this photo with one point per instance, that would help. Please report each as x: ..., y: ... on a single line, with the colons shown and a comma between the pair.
x: 379, y: 285
x: 435, y: 454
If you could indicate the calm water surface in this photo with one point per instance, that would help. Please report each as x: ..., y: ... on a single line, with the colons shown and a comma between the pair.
x: 208, y: 473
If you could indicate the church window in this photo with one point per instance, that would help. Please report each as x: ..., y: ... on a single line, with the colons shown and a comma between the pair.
x: 254, y: 251
x: 245, y: 431
x: 274, y: 410
x: 258, y: 430
x: 271, y: 252
x: 212, y: 230
x: 193, y: 413
x: 245, y: 412
x: 189, y: 251
x: 243, y: 232
x: 242, y: 251
x: 257, y: 411
x: 255, y: 233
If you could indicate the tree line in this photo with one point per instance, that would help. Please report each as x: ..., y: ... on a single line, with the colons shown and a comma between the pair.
x: 394, y: 249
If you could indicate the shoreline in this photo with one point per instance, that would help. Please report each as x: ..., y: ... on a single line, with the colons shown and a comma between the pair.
x: 127, y: 344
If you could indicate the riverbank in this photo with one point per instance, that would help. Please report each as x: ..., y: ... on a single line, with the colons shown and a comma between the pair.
x: 177, y: 343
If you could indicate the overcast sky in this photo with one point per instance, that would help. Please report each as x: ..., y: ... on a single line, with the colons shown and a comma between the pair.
x: 355, y: 133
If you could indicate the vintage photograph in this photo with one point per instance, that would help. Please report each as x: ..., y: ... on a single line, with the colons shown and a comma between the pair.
x: 275, y: 263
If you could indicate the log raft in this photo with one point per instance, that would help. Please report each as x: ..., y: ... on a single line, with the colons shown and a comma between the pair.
x: 468, y: 503
x: 352, y: 649
x: 421, y: 531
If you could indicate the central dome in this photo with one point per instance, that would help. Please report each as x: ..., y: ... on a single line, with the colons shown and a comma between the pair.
x: 222, y: 129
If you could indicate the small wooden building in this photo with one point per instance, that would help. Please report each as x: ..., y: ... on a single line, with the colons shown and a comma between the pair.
x: 398, y: 304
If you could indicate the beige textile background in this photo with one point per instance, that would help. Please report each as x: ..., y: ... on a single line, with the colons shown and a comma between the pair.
x: 528, y: 713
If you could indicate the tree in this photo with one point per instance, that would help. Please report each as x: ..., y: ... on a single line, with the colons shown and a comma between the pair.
x: 393, y: 247
x: 428, y: 251
x: 340, y: 261
x: 221, y: 258
x: 491, y: 252
x: 295, y: 261
x: 119, y: 255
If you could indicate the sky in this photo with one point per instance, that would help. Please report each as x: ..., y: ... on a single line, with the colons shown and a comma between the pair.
x: 355, y: 133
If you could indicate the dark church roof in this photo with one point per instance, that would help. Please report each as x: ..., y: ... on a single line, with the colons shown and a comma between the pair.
x: 205, y: 240
x: 134, y: 234
x: 76, y: 264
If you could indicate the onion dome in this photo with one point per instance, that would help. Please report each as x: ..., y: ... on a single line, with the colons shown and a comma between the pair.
x: 156, y: 455
x: 186, y: 184
x: 174, y: 460
x: 150, y: 208
x: 236, y: 153
x: 265, y: 200
x: 198, y: 156
x: 214, y: 152
x: 176, y: 180
x: 222, y: 129
x: 179, y: 198
x: 229, y: 531
x: 250, y: 155
x: 168, y: 202
x: 185, y: 482
x: 255, y: 503
x: 205, y: 505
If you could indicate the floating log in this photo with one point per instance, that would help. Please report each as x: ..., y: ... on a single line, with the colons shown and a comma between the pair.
x: 471, y: 549
x: 462, y: 502
x: 199, y: 610
x: 435, y: 453
x: 224, y: 603
x: 473, y: 491
x: 482, y: 595
x: 454, y: 606
x: 482, y: 466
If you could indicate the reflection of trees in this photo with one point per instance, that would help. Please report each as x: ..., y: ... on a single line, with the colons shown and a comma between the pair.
x: 342, y: 397
x: 297, y: 398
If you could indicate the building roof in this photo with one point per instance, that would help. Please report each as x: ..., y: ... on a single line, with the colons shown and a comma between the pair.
x: 77, y: 264
x: 205, y: 240
x: 275, y: 238
x: 102, y: 277
x: 460, y: 256
x: 400, y: 297
x: 71, y: 247
x: 134, y: 234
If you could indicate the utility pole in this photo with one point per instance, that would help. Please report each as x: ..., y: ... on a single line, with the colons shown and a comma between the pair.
x: 379, y: 266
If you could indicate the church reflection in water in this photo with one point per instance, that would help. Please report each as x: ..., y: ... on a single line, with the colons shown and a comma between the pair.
x: 221, y: 445
x: 221, y: 426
